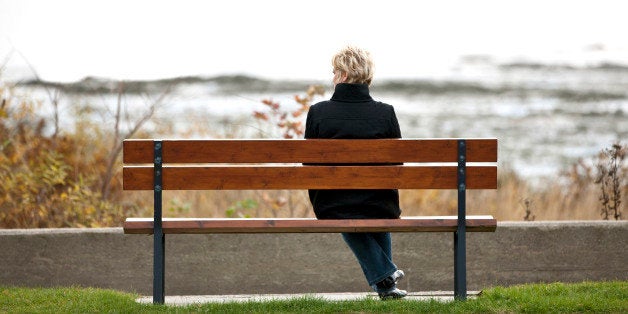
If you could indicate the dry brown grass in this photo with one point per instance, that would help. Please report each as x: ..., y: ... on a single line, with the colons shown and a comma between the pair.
x: 571, y: 195
x: 514, y: 200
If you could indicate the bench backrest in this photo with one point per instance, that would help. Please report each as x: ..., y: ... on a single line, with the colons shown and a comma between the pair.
x: 277, y: 164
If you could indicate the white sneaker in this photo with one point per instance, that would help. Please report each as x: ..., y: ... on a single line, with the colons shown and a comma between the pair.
x: 398, y: 275
x: 393, y: 294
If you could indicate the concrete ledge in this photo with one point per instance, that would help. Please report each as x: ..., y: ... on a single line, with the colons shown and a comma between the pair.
x: 518, y: 252
x: 442, y: 296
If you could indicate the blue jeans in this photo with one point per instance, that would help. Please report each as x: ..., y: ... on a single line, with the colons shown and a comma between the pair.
x: 374, y: 253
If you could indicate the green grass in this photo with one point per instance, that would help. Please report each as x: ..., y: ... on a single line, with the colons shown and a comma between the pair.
x: 606, y: 297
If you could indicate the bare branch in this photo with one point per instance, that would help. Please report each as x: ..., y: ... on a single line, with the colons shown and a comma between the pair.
x: 53, y: 97
x: 117, y: 141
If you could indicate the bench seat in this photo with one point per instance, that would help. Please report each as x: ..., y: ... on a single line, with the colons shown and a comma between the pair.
x: 309, y: 225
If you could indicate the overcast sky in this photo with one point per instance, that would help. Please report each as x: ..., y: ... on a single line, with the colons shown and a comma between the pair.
x: 68, y: 40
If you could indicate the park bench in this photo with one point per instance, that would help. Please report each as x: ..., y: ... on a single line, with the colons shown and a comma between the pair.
x: 262, y: 164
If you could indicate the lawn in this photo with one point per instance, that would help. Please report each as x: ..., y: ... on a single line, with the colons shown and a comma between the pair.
x: 595, y: 297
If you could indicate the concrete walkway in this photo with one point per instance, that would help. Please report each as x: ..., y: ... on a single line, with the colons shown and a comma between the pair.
x: 443, y: 296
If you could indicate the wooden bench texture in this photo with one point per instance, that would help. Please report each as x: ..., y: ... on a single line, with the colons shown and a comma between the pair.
x: 457, y: 164
x: 309, y: 225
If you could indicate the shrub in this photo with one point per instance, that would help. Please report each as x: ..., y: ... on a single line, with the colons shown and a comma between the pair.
x: 50, y: 180
x: 612, y: 177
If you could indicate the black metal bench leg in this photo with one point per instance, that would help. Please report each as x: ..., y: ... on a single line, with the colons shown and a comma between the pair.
x: 460, y: 271
x: 460, y: 246
x: 159, y: 239
x: 159, y: 268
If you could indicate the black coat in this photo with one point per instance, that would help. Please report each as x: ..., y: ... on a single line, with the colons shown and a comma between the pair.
x: 351, y: 113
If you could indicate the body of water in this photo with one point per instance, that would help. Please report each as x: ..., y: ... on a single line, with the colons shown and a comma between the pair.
x: 546, y: 116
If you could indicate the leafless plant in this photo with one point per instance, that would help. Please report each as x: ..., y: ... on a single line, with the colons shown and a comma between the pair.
x: 54, y: 95
x: 527, y: 205
x: 118, y: 136
x: 612, y: 173
x: 5, y: 61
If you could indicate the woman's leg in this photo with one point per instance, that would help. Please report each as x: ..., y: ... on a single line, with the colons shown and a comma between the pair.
x: 384, y: 240
x: 374, y: 254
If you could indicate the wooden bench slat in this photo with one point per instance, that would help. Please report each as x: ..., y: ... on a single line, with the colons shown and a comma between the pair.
x: 309, y: 225
x: 308, y: 177
x: 310, y: 151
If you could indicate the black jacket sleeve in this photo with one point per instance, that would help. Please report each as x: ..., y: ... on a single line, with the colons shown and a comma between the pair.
x: 396, y: 130
x: 310, y: 130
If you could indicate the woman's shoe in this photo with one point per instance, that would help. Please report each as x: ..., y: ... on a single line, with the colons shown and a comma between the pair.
x: 387, y: 288
x: 398, y: 275
x: 390, y: 281
x: 393, y: 294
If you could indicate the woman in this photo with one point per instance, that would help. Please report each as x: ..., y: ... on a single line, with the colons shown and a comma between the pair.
x: 351, y: 113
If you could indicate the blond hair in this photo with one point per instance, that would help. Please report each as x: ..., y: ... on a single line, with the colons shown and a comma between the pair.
x: 355, y: 63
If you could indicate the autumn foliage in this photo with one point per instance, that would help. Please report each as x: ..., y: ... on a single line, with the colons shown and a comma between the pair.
x: 51, y: 181
x: 290, y: 122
